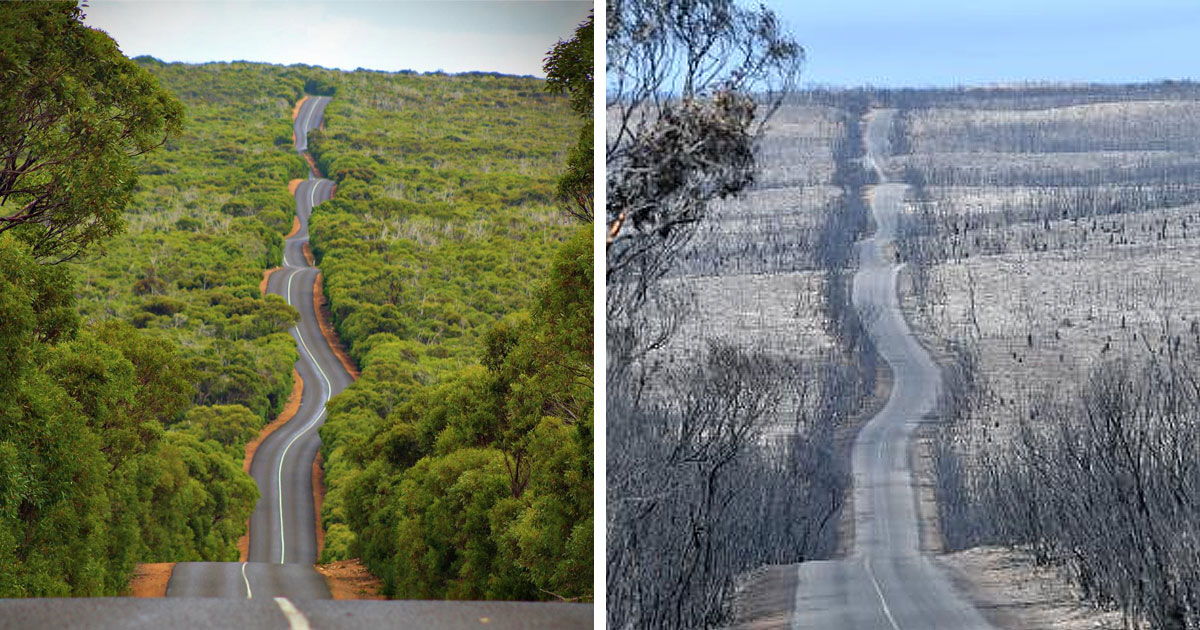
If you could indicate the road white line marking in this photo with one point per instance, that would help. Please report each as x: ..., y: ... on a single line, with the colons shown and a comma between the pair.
x: 312, y: 192
x: 286, y: 262
x: 247, y: 581
x: 878, y: 591
x: 279, y: 477
x: 300, y: 336
x: 296, y: 620
x: 308, y: 119
x: 324, y: 399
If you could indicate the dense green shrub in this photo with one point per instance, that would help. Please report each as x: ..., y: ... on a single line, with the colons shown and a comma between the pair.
x: 123, y: 443
x: 448, y: 477
x: 92, y: 480
x: 206, y: 218
x: 459, y: 465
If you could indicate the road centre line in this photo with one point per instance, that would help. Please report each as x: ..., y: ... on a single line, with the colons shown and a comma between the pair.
x: 324, y: 395
x: 247, y: 581
x: 878, y: 591
x: 306, y: 429
x: 295, y: 618
x: 308, y: 119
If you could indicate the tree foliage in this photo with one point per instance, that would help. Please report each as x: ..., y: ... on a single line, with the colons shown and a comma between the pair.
x: 569, y: 68
x: 205, y: 220
x: 132, y: 402
x: 450, y: 478
x: 478, y: 486
x: 72, y: 112
x: 682, y: 118
x: 132, y: 381
x: 90, y: 481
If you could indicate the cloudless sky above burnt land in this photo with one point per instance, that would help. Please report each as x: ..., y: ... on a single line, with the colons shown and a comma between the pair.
x: 970, y: 42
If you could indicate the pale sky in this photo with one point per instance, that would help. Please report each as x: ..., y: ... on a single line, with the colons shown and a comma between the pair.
x: 919, y: 43
x: 509, y: 36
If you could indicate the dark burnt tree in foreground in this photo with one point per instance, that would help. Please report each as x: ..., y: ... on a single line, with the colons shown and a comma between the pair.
x: 682, y: 126
x: 695, y: 495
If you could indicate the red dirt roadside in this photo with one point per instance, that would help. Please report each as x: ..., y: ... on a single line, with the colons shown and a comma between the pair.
x: 325, y: 321
x: 349, y: 579
x: 150, y: 579
x: 289, y: 410
x: 296, y: 109
x: 295, y: 113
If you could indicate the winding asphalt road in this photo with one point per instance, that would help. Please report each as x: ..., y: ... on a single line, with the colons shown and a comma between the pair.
x: 312, y: 110
x: 283, y: 526
x: 886, y: 582
x: 283, y: 538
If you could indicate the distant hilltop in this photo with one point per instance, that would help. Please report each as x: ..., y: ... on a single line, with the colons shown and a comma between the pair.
x: 150, y: 60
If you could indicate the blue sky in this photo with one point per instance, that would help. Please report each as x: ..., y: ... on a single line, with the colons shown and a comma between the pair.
x: 921, y: 43
x: 509, y: 36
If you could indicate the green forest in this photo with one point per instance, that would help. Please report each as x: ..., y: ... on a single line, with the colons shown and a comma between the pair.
x: 208, y: 216
x: 459, y: 465
x: 138, y: 356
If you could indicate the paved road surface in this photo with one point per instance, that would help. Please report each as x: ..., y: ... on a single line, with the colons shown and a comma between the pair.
x: 267, y: 613
x: 288, y: 535
x: 886, y: 583
x: 308, y: 118
x: 283, y: 526
x: 260, y: 580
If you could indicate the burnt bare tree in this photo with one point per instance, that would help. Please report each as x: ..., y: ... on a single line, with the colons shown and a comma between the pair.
x: 696, y: 491
x: 691, y: 83
x: 1105, y: 484
x: 695, y: 496
x: 1100, y: 479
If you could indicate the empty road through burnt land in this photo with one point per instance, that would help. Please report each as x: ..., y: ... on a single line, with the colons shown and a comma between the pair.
x: 886, y: 582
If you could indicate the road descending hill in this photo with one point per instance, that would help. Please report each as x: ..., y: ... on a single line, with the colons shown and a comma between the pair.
x: 886, y: 582
x: 283, y: 526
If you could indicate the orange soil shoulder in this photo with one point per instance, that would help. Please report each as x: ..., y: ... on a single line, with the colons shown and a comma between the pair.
x: 324, y: 320
x: 289, y: 410
x: 150, y: 579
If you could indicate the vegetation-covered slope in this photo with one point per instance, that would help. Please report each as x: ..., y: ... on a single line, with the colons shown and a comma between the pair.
x: 207, y: 218
x: 451, y: 478
x: 105, y: 459
x: 444, y: 207
x: 134, y: 375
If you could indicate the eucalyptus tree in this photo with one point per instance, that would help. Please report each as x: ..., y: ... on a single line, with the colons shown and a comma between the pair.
x: 690, y: 84
x: 570, y: 68
x: 73, y: 111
